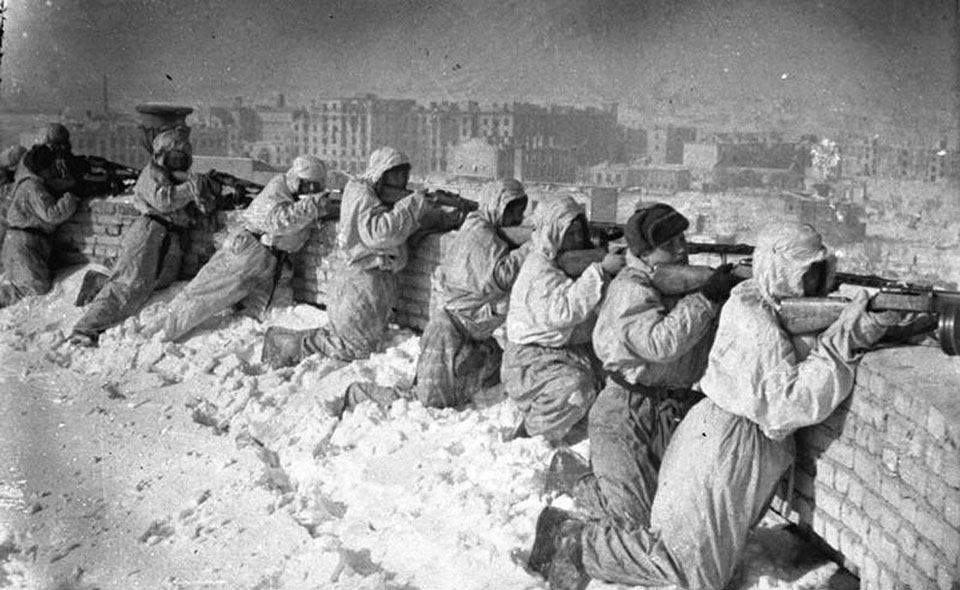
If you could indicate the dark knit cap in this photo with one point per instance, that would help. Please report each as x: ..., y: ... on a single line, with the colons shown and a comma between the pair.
x: 652, y: 226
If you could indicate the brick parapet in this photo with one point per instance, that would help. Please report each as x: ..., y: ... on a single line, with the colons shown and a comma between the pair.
x: 879, y: 481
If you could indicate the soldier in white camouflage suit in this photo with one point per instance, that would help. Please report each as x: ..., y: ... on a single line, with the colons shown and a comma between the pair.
x: 377, y: 217
x: 34, y: 213
x: 168, y: 196
x: 246, y: 269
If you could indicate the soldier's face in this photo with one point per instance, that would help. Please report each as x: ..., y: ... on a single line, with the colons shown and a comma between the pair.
x: 177, y: 161
x: 309, y: 187
x: 396, y: 177
x: 575, y: 238
x: 815, y: 280
x: 672, y: 252
x: 513, y: 214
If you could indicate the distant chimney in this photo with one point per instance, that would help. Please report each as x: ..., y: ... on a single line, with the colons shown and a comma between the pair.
x: 106, y: 101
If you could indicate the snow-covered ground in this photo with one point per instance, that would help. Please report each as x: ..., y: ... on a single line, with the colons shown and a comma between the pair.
x: 141, y: 464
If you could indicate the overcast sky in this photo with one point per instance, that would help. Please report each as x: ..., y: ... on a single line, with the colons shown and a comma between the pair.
x: 886, y: 57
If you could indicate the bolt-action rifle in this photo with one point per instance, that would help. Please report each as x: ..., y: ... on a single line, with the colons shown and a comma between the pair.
x: 242, y: 190
x: 106, y: 177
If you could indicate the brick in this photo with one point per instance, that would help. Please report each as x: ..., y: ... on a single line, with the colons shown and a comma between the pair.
x: 913, y: 474
x: 888, y: 519
x: 936, y: 423
x: 951, y: 509
x: 951, y: 469
x: 851, y: 547
x: 891, y: 490
x: 934, y: 458
x: 908, y: 537
x: 855, y: 519
x: 910, y: 575
x: 890, y: 459
x: 841, y: 479
x: 932, y: 528
x: 947, y: 578
x: 927, y: 560
x: 866, y: 469
x: 887, y: 578
x: 935, y: 492
x: 903, y: 404
x: 856, y: 493
x: 825, y: 473
x: 831, y: 532
x: 842, y: 453
x: 828, y: 503
x: 870, y: 571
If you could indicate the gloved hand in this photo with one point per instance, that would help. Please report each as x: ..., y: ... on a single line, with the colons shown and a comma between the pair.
x: 857, y: 329
x: 613, y: 263
x: 721, y: 282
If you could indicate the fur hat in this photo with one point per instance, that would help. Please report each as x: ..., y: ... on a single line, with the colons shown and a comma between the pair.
x: 652, y: 226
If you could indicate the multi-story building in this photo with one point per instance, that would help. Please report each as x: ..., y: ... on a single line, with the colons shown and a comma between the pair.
x: 870, y: 158
x: 344, y: 131
x: 543, y: 143
x: 666, y: 143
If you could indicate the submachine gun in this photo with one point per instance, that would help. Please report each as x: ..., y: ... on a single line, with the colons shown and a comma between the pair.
x: 808, y: 315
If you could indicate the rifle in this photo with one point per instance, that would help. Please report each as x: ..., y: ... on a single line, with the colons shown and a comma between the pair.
x: 242, y: 189
x: 809, y: 315
x: 107, y: 177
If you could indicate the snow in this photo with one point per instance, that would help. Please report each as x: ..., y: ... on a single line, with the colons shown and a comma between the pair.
x: 142, y: 464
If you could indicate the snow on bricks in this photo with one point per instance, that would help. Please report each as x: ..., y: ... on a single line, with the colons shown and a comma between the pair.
x: 879, y: 481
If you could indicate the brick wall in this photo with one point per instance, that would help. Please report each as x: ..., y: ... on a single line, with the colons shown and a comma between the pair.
x: 94, y: 232
x: 879, y: 481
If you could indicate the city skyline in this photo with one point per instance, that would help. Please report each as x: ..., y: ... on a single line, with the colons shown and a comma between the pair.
x: 750, y: 62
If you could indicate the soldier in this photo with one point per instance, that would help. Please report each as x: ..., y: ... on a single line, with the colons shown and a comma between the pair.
x: 458, y: 353
x: 33, y: 215
x: 549, y: 367
x: 71, y: 169
x: 725, y: 458
x: 377, y: 216
x: 166, y: 194
x: 246, y: 269
x: 654, y: 348
x: 9, y: 162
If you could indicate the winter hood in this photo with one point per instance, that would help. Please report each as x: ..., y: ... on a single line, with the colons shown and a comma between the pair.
x: 782, y: 255
x: 496, y: 196
x: 550, y: 222
x: 381, y: 160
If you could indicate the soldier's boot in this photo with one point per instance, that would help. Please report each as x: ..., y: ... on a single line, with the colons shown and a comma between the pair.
x: 282, y: 347
x: 93, y: 281
x: 84, y: 339
x: 557, y: 552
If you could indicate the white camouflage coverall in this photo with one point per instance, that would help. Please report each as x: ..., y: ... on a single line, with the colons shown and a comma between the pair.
x: 244, y: 270
x: 549, y: 367
x: 372, y: 236
x: 654, y: 348
x: 151, y: 250
x: 34, y: 213
x: 457, y: 349
x: 726, y: 457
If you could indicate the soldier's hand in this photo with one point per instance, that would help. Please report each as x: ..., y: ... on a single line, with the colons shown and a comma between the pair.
x: 613, y: 263
x: 721, y: 282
